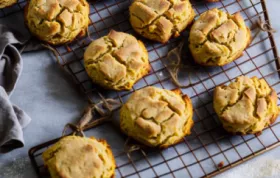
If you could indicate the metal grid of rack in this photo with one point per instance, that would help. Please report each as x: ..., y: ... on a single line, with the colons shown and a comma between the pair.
x: 198, y: 155
x: 19, y: 6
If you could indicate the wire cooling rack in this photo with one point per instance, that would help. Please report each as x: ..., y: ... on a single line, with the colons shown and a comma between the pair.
x: 13, y: 9
x: 201, y: 154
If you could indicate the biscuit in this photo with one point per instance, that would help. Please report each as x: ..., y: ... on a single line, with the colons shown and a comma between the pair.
x: 159, y: 20
x: 246, y: 106
x: 74, y: 156
x: 217, y: 38
x: 116, y: 61
x: 57, y: 21
x: 7, y: 3
x: 157, y: 117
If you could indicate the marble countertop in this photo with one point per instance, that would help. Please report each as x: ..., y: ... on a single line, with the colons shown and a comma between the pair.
x: 50, y: 100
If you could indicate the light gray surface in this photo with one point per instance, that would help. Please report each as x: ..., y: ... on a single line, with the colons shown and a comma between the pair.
x: 51, y: 101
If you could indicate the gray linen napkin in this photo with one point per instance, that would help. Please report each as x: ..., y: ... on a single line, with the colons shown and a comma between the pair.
x: 12, y: 118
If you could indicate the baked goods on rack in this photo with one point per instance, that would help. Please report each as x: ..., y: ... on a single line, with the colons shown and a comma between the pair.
x: 116, y: 61
x: 217, y: 38
x: 158, y: 20
x: 246, y: 106
x: 57, y: 21
x: 7, y: 3
x: 157, y: 117
x: 75, y: 156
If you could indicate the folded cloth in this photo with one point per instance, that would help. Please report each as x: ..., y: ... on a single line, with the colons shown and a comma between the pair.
x: 12, y: 118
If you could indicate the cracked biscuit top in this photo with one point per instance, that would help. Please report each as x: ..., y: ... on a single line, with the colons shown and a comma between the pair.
x: 218, y: 38
x: 75, y: 156
x: 157, y: 117
x: 6, y: 3
x: 57, y: 21
x: 246, y: 105
x: 116, y: 61
x: 160, y: 19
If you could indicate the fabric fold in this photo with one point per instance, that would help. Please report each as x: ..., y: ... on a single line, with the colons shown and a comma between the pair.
x: 12, y: 121
x: 12, y: 118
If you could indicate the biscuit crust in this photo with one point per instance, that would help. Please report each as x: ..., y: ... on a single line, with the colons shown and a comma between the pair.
x: 159, y: 20
x: 218, y: 38
x: 7, y: 3
x: 157, y: 117
x: 57, y: 21
x: 246, y: 106
x: 116, y: 61
x: 74, y: 156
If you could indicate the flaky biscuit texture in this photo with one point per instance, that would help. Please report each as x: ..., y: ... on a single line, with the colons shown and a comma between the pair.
x: 246, y: 106
x: 7, y: 3
x: 57, y: 21
x: 157, y: 117
x: 160, y: 19
x: 79, y: 157
x: 218, y: 38
x: 116, y: 61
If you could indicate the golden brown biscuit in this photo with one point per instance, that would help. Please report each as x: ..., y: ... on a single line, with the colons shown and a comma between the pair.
x: 246, y: 106
x: 116, y: 61
x: 160, y: 19
x: 6, y: 3
x: 218, y: 38
x: 57, y: 21
x: 80, y: 157
x: 157, y: 117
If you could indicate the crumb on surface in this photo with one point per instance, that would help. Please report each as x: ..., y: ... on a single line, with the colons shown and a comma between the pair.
x: 221, y: 164
x: 68, y: 49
